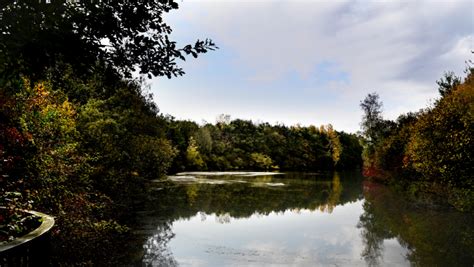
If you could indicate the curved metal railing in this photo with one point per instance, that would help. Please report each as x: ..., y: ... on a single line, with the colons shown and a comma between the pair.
x: 31, y: 249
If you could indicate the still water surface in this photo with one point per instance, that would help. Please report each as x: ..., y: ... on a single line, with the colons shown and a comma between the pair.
x: 268, y: 219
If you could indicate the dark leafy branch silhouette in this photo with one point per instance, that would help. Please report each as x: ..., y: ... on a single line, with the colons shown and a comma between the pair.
x: 126, y: 35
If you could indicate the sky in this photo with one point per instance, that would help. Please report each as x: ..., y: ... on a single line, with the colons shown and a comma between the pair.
x: 312, y: 62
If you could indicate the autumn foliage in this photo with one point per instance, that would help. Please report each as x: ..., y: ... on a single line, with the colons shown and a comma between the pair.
x: 431, y: 151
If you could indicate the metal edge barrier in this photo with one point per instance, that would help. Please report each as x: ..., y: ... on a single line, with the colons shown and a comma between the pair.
x: 29, y: 249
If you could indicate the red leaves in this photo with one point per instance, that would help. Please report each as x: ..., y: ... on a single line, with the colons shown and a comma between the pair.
x: 14, y: 136
x: 372, y: 172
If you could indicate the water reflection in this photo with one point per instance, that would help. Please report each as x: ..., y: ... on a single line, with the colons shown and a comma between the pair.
x: 251, y: 219
x: 334, y: 195
x: 242, y: 196
x: 307, y: 220
x: 432, y: 237
x: 157, y: 252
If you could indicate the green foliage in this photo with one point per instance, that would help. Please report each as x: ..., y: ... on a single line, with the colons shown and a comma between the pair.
x: 334, y: 143
x: 193, y: 156
x: 244, y: 145
x: 351, y: 156
x: 47, y: 119
x: 372, y: 108
x: 126, y: 140
x: 179, y: 133
x: 203, y: 139
x: 261, y: 161
x: 152, y: 156
x: 46, y: 167
x: 78, y: 162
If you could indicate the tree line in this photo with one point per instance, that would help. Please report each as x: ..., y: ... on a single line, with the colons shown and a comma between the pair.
x: 245, y: 145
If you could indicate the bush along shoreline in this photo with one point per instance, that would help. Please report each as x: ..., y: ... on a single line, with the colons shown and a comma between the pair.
x: 428, y: 154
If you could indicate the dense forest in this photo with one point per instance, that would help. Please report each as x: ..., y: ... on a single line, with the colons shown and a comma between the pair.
x: 244, y: 145
x: 428, y: 153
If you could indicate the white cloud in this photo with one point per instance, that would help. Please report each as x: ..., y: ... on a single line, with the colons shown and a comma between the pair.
x: 396, y: 48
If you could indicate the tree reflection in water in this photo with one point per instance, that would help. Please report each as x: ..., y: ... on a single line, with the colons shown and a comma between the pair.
x: 435, y: 236
x: 425, y: 237
x: 243, y: 199
x: 334, y: 194
x: 373, y: 234
x: 156, y: 248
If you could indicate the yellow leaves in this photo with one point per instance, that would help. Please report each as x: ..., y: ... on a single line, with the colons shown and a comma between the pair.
x: 59, y: 113
x: 192, y: 191
x: 30, y: 98
x: 41, y: 90
x: 261, y: 160
x: 192, y: 154
x: 68, y: 108
x: 41, y: 97
x: 44, y: 113
x: 439, y: 145
x: 334, y: 195
x: 335, y: 143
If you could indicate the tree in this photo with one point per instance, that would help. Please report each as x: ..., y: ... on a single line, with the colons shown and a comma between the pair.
x: 372, y: 117
x: 193, y: 156
x: 448, y: 83
x: 223, y: 119
x: 430, y: 151
x: 352, y: 151
x: 203, y: 139
x: 335, y: 145
x: 441, y: 147
x: 125, y: 35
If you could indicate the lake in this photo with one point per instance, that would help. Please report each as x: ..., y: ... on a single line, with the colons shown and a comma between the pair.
x: 294, y: 219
